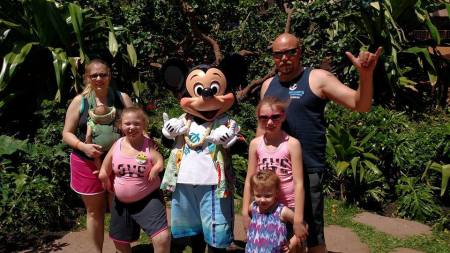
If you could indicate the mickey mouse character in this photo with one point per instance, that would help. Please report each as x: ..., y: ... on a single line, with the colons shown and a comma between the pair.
x: 199, y: 171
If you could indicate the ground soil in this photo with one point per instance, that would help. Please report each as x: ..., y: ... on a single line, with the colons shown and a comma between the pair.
x: 339, y: 239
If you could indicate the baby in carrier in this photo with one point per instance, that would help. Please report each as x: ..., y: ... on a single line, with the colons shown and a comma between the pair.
x: 101, y: 130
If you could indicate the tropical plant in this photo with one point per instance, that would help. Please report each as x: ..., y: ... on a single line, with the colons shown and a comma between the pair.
x: 56, y: 37
x: 329, y: 28
x: 355, y: 166
x: 389, y: 24
x: 441, y: 162
x: 35, y: 196
x: 416, y: 200
x: 444, y: 169
x: 34, y: 182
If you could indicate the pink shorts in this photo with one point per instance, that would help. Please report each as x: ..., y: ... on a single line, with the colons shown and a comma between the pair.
x: 82, y: 181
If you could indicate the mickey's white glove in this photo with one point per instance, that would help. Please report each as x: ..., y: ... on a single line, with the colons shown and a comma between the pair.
x: 173, y: 127
x: 224, y: 135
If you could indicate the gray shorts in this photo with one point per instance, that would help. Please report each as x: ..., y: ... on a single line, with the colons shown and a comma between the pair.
x: 127, y: 219
x: 314, y: 208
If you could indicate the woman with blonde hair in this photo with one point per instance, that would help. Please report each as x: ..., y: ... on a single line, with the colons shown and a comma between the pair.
x: 84, y: 174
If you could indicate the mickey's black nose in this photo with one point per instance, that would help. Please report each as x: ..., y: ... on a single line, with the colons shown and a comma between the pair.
x: 207, y: 93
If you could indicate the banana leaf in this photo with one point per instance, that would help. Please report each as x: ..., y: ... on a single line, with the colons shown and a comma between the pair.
x: 11, y: 61
x: 425, y: 55
x: 60, y: 62
x: 445, y: 173
x: 76, y: 18
x: 132, y: 55
x: 49, y: 25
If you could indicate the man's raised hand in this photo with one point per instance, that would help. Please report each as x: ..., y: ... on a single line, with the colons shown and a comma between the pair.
x: 366, y: 61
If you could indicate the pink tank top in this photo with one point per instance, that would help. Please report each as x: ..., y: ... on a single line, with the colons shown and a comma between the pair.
x: 279, y: 161
x: 131, y: 178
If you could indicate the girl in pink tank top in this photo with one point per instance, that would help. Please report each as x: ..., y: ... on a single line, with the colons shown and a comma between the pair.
x: 275, y: 150
x: 137, y: 203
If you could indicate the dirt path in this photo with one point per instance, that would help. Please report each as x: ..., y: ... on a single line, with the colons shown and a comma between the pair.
x: 397, y: 227
x: 339, y: 239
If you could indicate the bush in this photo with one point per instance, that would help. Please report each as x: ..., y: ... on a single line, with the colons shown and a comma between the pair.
x: 416, y: 200
x: 404, y: 145
x: 34, y: 182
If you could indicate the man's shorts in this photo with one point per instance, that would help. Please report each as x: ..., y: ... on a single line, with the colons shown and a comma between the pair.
x: 196, y: 210
x: 82, y: 181
x: 314, y: 209
x: 127, y: 219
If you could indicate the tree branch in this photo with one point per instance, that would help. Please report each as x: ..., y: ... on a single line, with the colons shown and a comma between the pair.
x: 188, y: 11
x: 155, y: 65
x: 289, y: 11
x: 242, y: 94
x: 245, y: 53
x: 184, y: 45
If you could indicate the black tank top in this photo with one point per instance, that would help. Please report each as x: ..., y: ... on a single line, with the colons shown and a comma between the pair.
x: 305, y: 118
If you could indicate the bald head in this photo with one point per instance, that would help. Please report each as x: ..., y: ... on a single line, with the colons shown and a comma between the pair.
x: 285, y: 40
x: 286, y: 53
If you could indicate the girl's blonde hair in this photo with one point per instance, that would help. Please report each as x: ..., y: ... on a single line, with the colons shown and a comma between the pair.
x: 86, y: 81
x: 265, y: 179
x: 274, y: 102
x: 139, y: 112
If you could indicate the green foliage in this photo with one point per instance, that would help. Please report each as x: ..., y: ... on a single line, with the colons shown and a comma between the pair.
x: 10, y: 145
x: 240, y: 170
x: 244, y: 114
x: 51, y: 123
x: 29, y: 205
x: 417, y: 146
x: 325, y: 29
x: 155, y: 107
x: 444, y: 169
x: 355, y: 167
x: 42, y: 37
x: 416, y: 200
x: 329, y: 28
x: 387, y: 25
x: 403, y: 144
x: 34, y: 183
x: 33, y: 196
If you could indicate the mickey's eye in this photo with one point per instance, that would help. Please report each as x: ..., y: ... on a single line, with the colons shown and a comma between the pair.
x: 215, y: 87
x: 198, y: 89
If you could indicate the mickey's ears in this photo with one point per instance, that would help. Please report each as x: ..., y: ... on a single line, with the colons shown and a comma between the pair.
x: 235, y: 69
x: 174, y: 73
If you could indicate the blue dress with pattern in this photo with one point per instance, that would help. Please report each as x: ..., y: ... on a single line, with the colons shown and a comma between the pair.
x: 266, y: 232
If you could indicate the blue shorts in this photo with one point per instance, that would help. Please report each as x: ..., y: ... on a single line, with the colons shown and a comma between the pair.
x: 197, y: 210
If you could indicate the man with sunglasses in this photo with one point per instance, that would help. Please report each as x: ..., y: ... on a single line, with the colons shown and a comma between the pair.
x: 308, y: 91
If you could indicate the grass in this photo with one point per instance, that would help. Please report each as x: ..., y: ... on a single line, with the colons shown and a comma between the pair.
x: 379, y: 242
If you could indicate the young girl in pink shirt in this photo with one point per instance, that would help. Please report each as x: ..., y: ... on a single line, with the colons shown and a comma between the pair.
x: 137, y: 202
x: 277, y: 151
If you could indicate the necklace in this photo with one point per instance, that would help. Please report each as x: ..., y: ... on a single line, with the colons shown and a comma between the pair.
x: 202, y: 140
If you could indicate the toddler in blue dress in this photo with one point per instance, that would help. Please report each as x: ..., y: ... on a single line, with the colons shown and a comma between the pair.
x: 267, y: 231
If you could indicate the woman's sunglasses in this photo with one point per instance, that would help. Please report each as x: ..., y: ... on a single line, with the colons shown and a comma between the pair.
x: 96, y: 75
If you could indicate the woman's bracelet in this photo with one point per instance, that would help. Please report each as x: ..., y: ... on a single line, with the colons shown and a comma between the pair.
x: 76, y: 145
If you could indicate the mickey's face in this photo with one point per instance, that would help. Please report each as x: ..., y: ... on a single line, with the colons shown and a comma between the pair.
x: 207, y: 90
